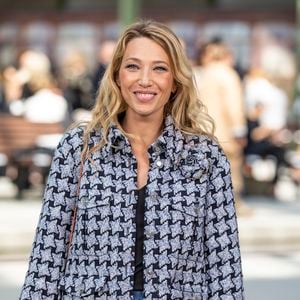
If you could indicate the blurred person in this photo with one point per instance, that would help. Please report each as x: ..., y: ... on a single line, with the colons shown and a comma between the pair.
x: 147, y: 187
x: 15, y: 80
x: 220, y: 89
x: 32, y: 63
x: 11, y: 90
x: 259, y: 89
x: 267, y: 111
x: 77, y: 83
x: 104, y: 56
x: 4, y: 106
x: 46, y: 105
x: 261, y: 146
x: 280, y: 64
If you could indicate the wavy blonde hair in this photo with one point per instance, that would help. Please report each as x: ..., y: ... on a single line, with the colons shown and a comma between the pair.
x: 187, y: 110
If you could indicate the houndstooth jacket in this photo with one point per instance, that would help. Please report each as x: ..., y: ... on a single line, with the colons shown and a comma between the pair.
x: 191, y: 247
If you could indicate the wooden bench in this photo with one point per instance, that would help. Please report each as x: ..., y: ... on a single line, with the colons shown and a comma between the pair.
x: 18, y: 141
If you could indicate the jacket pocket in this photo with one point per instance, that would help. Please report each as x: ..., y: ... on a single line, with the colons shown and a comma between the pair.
x: 188, y: 284
x: 179, y: 292
x: 92, y: 228
x: 184, y: 209
x: 84, y: 278
x: 187, y: 230
x: 92, y: 198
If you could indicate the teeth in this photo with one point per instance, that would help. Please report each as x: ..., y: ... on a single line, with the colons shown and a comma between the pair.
x: 145, y: 96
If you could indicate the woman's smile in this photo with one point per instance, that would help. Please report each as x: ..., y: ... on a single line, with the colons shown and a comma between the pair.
x: 145, y: 96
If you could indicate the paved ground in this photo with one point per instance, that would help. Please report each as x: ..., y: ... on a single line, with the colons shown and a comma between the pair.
x: 274, y: 225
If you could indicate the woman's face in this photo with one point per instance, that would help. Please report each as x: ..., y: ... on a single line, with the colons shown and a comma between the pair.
x: 145, y: 78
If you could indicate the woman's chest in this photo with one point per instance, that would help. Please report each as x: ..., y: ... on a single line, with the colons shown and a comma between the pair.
x: 113, y: 180
x: 175, y: 196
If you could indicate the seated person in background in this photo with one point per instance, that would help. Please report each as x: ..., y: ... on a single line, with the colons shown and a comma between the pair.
x: 267, y: 108
x: 263, y: 141
x: 47, y: 105
x: 260, y: 89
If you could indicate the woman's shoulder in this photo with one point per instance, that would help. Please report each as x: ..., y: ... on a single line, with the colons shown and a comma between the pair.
x: 73, y: 134
x: 71, y: 141
x: 201, y: 140
x: 205, y: 144
x: 207, y: 152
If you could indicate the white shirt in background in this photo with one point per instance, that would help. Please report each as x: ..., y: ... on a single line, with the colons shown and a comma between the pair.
x: 45, y: 107
x: 273, y: 99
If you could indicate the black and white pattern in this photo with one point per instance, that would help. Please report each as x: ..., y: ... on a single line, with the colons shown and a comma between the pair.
x: 191, y: 247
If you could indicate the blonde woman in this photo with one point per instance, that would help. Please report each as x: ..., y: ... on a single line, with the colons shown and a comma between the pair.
x: 139, y: 202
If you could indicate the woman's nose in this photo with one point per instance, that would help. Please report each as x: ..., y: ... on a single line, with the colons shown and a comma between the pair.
x: 145, y: 78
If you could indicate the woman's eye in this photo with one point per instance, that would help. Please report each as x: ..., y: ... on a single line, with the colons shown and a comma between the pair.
x: 161, y: 69
x: 131, y: 67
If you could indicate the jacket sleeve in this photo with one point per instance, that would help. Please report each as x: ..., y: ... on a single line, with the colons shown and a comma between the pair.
x: 221, y: 243
x: 52, y: 234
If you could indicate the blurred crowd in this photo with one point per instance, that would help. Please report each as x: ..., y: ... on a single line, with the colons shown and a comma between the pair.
x: 257, y: 119
x: 41, y: 92
x: 251, y: 112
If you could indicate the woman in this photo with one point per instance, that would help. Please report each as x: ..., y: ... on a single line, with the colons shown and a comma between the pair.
x: 155, y: 215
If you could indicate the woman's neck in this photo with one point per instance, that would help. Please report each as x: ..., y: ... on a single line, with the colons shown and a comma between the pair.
x: 145, y: 130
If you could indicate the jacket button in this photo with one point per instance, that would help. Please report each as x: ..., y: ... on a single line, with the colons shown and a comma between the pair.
x: 126, y: 230
x: 197, y: 210
x: 81, y: 289
x: 150, y: 234
x: 159, y: 163
x: 150, y: 273
x: 158, y: 148
x: 153, y: 196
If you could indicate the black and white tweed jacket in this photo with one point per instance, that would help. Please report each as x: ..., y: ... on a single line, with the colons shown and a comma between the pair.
x: 191, y: 247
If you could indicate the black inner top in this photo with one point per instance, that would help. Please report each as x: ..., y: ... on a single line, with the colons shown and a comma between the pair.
x: 138, y: 274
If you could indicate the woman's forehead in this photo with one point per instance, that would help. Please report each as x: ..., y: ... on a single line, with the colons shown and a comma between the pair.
x: 143, y: 48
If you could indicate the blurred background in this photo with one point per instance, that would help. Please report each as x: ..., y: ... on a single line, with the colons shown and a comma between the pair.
x: 52, y: 57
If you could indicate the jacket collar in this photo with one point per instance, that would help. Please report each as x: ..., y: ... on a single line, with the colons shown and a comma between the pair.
x: 171, y: 140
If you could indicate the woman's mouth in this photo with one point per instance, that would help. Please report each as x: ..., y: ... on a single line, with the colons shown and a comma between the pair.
x: 145, y: 96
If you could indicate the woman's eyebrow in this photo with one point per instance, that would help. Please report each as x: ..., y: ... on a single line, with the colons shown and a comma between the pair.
x: 140, y: 60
